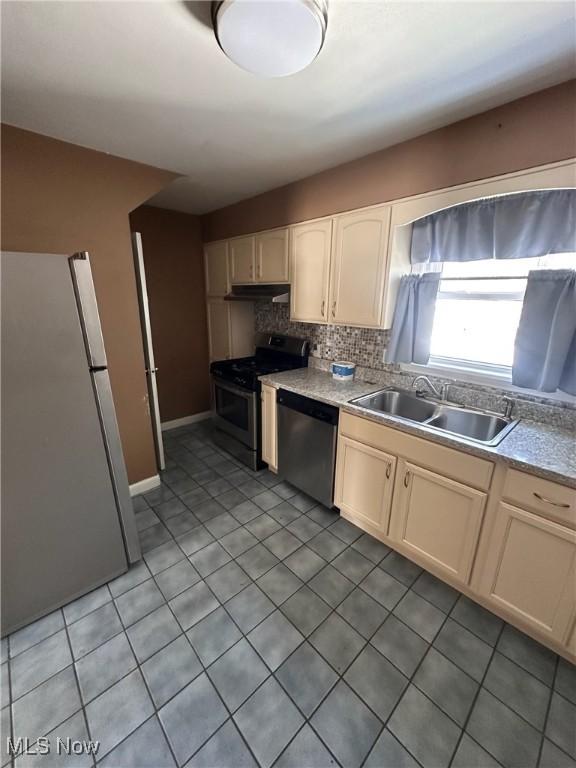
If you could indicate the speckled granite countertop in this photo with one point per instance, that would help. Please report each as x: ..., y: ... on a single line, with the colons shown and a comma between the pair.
x: 534, y: 447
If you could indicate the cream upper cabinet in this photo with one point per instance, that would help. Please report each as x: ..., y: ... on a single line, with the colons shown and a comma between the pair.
x: 530, y: 571
x: 269, y: 427
x: 241, y: 254
x: 436, y: 520
x: 359, y: 267
x: 216, y: 268
x: 310, y: 251
x: 219, y: 342
x: 272, y: 256
x: 241, y: 318
x: 230, y: 329
x: 364, y: 484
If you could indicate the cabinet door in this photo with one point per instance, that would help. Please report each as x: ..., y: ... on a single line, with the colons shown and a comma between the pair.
x: 310, y: 271
x: 530, y: 571
x: 436, y: 520
x: 359, y: 267
x: 269, y: 427
x: 364, y: 483
x: 272, y: 257
x: 241, y: 254
x: 218, y: 329
x: 241, y: 315
x: 216, y: 268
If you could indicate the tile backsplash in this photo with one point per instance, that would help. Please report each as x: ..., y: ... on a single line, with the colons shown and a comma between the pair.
x: 363, y: 346
x: 366, y: 347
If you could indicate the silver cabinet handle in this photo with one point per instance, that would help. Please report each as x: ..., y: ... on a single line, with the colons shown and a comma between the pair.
x: 151, y: 370
x: 323, y: 307
x: 560, y: 504
x: 333, y: 309
x: 388, y: 471
x: 406, y: 479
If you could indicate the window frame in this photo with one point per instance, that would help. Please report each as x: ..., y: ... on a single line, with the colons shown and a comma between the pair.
x: 484, y: 369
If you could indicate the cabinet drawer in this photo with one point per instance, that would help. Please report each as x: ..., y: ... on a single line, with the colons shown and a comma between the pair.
x: 552, y: 500
x: 458, y: 465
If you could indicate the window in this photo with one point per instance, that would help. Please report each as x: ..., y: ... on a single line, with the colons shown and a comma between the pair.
x: 478, y: 310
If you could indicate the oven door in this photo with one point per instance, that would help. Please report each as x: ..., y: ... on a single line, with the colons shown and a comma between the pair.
x: 235, y: 412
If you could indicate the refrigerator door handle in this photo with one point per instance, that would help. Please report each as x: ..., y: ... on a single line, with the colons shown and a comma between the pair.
x: 105, y: 404
x: 88, y: 310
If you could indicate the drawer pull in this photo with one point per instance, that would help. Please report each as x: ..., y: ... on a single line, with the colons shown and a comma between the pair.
x: 560, y: 504
x: 406, y: 479
x: 388, y: 470
x: 333, y: 309
x: 323, y: 305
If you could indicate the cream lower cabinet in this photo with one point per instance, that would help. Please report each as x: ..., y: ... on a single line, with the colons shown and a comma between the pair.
x: 230, y: 329
x: 269, y: 427
x: 436, y: 520
x: 364, y: 483
x: 530, y: 571
x: 310, y: 270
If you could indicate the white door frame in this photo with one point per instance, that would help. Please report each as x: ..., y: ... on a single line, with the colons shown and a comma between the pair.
x: 151, y: 369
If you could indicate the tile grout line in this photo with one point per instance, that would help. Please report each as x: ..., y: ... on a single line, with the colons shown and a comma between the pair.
x: 143, y: 677
x: 334, y: 610
x: 448, y: 615
x: 410, y: 682
x: 475, y: 699
x: 340, y: 676
x: 546, y: 716
x: 277, y: 607
x: 75, y: 672
x: 10, y: 710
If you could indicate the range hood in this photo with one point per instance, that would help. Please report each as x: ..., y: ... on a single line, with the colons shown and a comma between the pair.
x: 278, y: 294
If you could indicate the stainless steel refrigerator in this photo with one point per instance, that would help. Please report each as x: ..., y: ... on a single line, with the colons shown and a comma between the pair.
x: 67, y: 521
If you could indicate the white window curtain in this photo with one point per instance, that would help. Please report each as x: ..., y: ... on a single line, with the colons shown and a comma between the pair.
x: 514, y: 226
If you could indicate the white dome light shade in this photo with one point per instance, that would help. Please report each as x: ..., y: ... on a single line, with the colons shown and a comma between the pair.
x: 272, y: 38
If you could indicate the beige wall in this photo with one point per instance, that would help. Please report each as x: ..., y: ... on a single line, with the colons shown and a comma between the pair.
x: 174, y: 263
x: 61, y: 198
x: 528, y: 132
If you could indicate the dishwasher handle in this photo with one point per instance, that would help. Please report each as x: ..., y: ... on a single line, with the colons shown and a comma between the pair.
x: 312, y: 408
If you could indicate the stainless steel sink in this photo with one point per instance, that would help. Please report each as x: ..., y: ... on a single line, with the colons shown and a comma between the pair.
x: 398, y: 403
x: 478, y: 426
x: 475, y: 425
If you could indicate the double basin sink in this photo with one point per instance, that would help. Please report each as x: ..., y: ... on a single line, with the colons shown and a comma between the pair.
x: 479, y: 426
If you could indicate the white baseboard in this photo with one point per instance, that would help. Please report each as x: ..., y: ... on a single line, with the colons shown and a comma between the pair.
x: 185, y: 420
x: 143, y: 486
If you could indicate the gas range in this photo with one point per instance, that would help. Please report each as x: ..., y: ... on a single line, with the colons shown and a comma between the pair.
x: 245, y: 371
x: 236, y: 387
x: 274, y: 353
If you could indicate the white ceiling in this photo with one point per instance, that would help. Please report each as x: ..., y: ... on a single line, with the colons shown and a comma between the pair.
x: 147, y: 81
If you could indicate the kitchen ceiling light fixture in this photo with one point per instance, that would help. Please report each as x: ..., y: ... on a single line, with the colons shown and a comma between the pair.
x: 272, y: 38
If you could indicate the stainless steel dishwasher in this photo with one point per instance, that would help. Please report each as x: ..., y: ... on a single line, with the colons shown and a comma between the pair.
x: 307, y: 433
